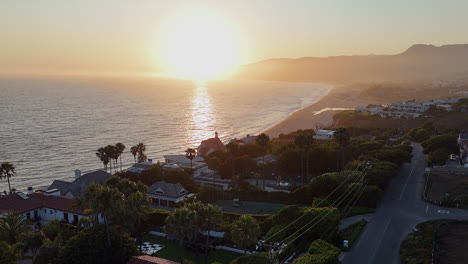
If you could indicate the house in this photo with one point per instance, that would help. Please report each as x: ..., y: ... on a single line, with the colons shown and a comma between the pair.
x: 41, y: 206
x: 209, y: 145
x: 324, y: 134
x: 81, y: 182
x: 149, y: 260
x: 268, y: 159
x: 164, y: 194
x: 409, y: 107
x: 141, y: 166
x: 463, y: 145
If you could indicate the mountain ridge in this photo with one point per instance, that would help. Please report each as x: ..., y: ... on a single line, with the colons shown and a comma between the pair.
x: 420, y: 61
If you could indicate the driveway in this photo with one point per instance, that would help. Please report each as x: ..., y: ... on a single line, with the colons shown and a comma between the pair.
x: 400, y: 210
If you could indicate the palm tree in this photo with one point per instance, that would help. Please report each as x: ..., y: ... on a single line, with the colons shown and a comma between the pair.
x: 341, y: 137
x: 101, y: 200
x: 245, y: 232
x: 139, y: 206
x: 12, y: 226
x: 120, y: 149
x: 7, y: 170
x: 138, y: 152
x: 181, y: 225
x: 32, y: 241
x: 134, y: 151
x: 263, y: 140
x: 190, y: 154
x: 113, y: 154
x: 102, y: 156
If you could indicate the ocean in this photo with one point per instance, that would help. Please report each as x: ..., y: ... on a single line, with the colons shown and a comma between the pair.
x: 51, y: 126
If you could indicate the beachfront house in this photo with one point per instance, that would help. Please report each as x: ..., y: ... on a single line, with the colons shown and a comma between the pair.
x: 141, y: 166
x: 323, y: 134
x: 41, y: 207
x: 166, y: 195
x: 81, y: 182
x: 209, y: 145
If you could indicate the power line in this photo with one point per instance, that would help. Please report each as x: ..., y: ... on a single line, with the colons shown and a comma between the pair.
x: 320, y: 202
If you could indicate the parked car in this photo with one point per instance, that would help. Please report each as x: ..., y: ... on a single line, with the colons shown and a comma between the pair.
x: 453, y: 157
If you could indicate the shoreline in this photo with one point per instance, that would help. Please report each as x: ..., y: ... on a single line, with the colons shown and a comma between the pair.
x: 320, y: 113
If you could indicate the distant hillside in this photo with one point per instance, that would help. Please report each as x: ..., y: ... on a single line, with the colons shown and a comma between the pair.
x: 417, y: 62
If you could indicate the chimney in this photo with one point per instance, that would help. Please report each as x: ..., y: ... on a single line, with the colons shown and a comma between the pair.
x: 216, y: 134
x: 77, y: 174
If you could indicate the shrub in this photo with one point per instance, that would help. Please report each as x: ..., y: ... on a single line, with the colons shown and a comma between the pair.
x: 157, y: 217
x: 253, y: 259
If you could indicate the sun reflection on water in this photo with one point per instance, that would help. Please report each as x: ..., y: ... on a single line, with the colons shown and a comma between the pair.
x: 203, y: 117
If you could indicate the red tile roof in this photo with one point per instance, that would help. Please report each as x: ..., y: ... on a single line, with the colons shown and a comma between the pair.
x: 150, y: 260
x: 15, y: 203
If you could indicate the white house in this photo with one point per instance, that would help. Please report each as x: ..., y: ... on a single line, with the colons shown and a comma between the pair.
x: 41, y: 206
x: 164, y: 194
x: 325, y: 134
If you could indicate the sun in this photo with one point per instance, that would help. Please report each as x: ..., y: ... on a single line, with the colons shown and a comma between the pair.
x: 198, y: 44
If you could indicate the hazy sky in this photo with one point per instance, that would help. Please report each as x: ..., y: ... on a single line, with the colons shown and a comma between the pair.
x: 116, y: 36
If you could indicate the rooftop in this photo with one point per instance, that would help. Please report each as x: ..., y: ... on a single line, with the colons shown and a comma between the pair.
x: 150, y: 260
x: 167, y: 189
x: 21, y: 203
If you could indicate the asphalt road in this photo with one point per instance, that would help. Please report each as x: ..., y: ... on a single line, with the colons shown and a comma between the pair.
x: 399, y: 212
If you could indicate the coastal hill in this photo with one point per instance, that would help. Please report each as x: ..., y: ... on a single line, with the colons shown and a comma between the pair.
x: 417, y: 62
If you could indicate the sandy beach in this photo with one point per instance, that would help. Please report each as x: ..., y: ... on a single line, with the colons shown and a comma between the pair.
x: 320, y: 114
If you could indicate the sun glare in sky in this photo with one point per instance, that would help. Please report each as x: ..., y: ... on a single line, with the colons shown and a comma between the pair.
x: 198, y: 44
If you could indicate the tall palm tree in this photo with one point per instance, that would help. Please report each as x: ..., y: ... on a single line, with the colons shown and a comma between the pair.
x: 181, y: 225
x: 7, y: 170
x: 120, y: 149
x: 32, y: 241
x: 12, y: 226
x: 139, y: 206
x: 113, y: 154
x: 263, y: 140
x: 139, y: 149
x: 342, y: 138
x: 103, y: 157
x: 245, y: 232
x: 190, y: 154
x: 134, y: 151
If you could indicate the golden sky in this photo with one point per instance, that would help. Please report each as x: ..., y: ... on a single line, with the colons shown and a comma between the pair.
x: 151, y: 36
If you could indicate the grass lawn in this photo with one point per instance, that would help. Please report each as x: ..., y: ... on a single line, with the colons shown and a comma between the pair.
x: 358, y: 210
x: 171, y: 252
x: 247, y: 207
x: 441, y: 186
x: 352, y: 232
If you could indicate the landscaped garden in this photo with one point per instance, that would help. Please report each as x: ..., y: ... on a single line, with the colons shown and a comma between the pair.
x: 171, y: 252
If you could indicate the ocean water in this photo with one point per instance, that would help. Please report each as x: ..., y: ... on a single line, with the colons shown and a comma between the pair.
x: 51, y: 126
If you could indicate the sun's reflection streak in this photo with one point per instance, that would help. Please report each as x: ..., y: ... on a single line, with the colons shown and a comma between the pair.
x: 203, y: 117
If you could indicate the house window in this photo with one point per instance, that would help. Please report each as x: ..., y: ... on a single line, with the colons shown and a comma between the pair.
x: 65, y: 216
x: 75, y: 219
x: 28, y: 215
x: 50, y: 211
x: 159, y: 192
x: 36, y: 214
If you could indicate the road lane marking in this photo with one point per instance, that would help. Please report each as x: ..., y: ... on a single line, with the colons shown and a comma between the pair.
x: 443, y: 211
x: 407, y: 180
x: 427, y: 208
x: 378, y: 246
